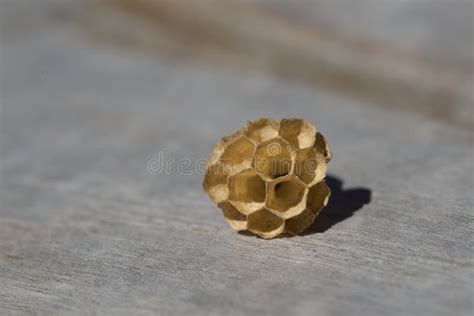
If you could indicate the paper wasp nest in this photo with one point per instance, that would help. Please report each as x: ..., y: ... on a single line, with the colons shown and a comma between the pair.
x: 268, y: 178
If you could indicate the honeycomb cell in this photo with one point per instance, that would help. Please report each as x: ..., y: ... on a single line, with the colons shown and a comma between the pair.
x: 238, y: 155
x: 233, y: 217
x: 286, y: 197
x: 321, y: 145
x: 273, y: 159
x: 310, y: 166
x: 318, y: 197
x: 215, y: 183
x: 221, y: 146
x: 265, y: 224
x: 298, y: 224
x: 299, y: 133
x: 247, y: 191
x: 262, y: 130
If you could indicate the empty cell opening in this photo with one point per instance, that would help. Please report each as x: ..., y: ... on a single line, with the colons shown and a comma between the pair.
x: 273, y: 159
x: 264, y: 221
x: 231, y: 213
x: 321, y: 146
x: 298, y: 133
x: 290, y: 130
x: 310, y: 165
x: 215, y: 183
x: 285, y: 194
x: 279, y: 168
x: 239, y: 151
x: 318, y: 196
x: 305, y: 165
x: 233, y: 217
x: 247, y: 187
x: 262, y: 130
x: 215, y: 175
x: 296, y: 225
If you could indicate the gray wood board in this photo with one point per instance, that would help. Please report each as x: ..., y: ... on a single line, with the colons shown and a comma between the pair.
x: 85, y: 228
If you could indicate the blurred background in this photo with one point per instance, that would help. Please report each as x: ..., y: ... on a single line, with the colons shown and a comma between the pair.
x: 412, y: 56
x: 408, y: 55
x: 92, y: 90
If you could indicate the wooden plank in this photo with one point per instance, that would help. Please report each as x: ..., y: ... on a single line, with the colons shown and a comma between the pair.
x: 85, y: 228
x: 245, y: 35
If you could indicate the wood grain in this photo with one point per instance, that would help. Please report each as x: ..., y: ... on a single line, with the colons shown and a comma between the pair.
x: 246, y: 34
x: 86, y: 229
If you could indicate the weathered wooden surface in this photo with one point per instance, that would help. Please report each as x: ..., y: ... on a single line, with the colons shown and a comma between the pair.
x: 86, y: 229
x: 294, y: 41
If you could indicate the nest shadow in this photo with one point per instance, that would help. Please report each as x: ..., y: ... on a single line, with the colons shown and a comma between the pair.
x: 342, y: 205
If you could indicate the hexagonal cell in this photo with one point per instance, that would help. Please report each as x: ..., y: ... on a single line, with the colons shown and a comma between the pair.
x: 215, y: 183
x: 298, y: 224
x: 262, y: 130
x: 318, y: 197
x: 273, y: 159
x: 247, y: 191
x: 299, y: 133
x: 265, y: 224
x: 233, y: 217
x: 310, y: 166
x: 321, y: 145
x: 238, y: 155
x: 286, y: 197
x: 221, y: 146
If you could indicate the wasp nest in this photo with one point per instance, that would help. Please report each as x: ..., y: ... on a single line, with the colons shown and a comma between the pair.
x: 268, y: 178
